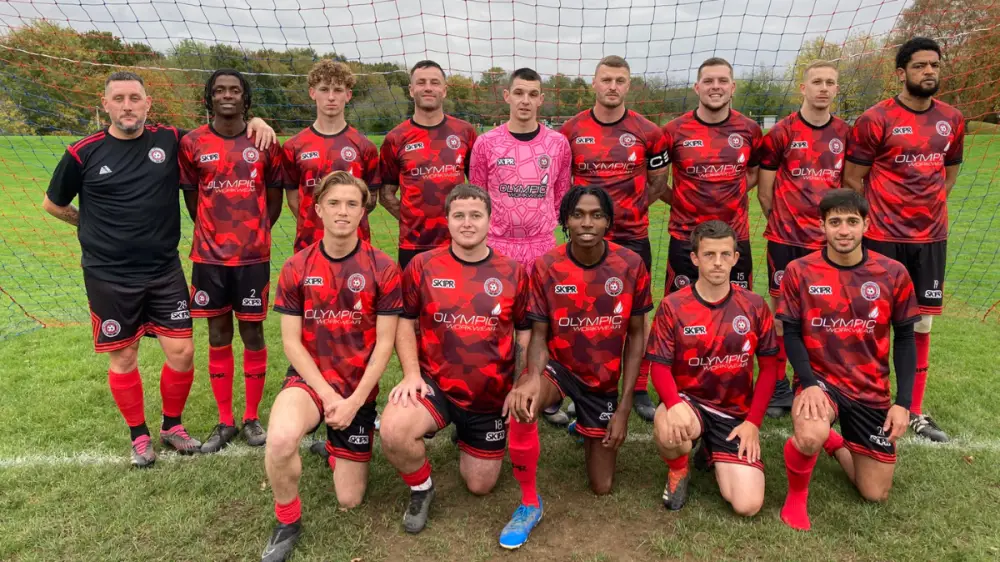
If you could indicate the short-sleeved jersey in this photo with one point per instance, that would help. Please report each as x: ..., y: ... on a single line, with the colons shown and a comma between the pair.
x: 617, y: 156
x: 907, y: 151
x: 808, y: 161
x: 309, y: 157
x: 426, y: 163
x: 710, y: 163
x: 710, y: 346
x: 526, y: 180
x: 130, y: 222
x: 588, y: 309
x: 339, y: 301
x: 845, y: 314
x: 466, y: 314
x: 232, y: 177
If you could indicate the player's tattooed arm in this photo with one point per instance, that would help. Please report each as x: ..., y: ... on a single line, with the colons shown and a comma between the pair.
x: 854, y: 176
x: 765, y: 190
x: 274, y: 197
x: 522, y: 400
x: 656, y: 185
x: 950, y: 177
x: 66, y: 213
x: 389, y: 199
x: 191, y: 202
x: 521, y: 342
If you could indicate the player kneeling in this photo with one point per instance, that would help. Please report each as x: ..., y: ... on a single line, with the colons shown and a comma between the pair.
x: 837, y: 305
x: 340, y: 301
x: 702, y: 344
x: 466, y: 302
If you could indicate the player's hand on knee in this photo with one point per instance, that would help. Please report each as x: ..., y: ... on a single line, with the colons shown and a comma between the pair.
x: 749, y: 436
x: 617, y: 430
x: 812, y: 404
x: 680, y: 422
x: 522, y: 400
x: 409, y: 389
x: 895, y: 422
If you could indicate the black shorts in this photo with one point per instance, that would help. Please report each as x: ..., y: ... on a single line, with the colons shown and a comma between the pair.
x: 121, y: 313
x: 860, y: 425
x: 681, y: 272
x: 218, y: 289
x: 353, y: 443
x: 715, y: 429
x: 778, y: 257
x: 640, y: 246
x: 593, y: 411
x: 483, y: 436
x: 405, y: 256
x: 925, y: 262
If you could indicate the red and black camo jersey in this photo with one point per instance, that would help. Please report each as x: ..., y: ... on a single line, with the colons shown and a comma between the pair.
x: 588, y: 309
x: 710, y: 346
x: 232, y: 178
x: 616, y: 156
x: 466, y: 314
x: 808, y: 161
x: 907, y: 151
x: 845, y: 313
x: 710, y: 163
x: 309, y: 157
x: 339, y: 301
x: 426, y: 163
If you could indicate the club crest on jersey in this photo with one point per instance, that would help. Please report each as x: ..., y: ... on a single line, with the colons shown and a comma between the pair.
x: 741, y: 325
x: 836, y: 146
x: 312, y: 155
x: 356, y: 283
x: 778, y: 276
x: 693, y: 143
x: 348, y: 154
x: 413, y: 146
x: 584, y: 140
x: 796, y: 145
x: 565, y: 289
x: 627, y: 140
x: 111, y: 328
x: 695, y: 331
x: 544, y: 161
x: 213, y: 157
x: 453, y: 142
x: 442, y: 283
x: 493, y: 287
x: 870, y: 290
x: 507, y: 161
x: 157, y: 155
x: 943, y: 128
x: 614, y: 286
x: 735, y: 141
x: 682, y: 281
x: 250, y: 155
x: 201, y: 298
x: 313, y: 282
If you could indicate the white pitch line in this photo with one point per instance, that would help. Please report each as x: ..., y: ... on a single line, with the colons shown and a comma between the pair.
x: 241, y: 450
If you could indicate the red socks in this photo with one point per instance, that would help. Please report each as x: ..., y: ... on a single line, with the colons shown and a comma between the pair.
x: 833, y: 443
x: 288, y: 513
x: 920, y: 381
x: 798, y: 467
x: 220, y: 375
x: 525, y: 449
x: 418, y: 476
x: 174, y: 389
x: 642, y: 383
x: 126, y: 388
x: 254, y: 371
x: 678, y: 465
x: 782, y: 358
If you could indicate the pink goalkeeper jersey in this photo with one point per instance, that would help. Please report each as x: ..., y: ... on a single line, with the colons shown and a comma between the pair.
x: 525, y: 179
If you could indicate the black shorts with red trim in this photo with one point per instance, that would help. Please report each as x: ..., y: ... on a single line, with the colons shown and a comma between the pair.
x: 121, y: 313
x: 593, y: 411
x: 480, y: 435
x: 354, y: 442
x: 715, y: 429
x: 778, y: 257
x: 681, y: 272
x: 925, y: 262
x: 640, y: 246
x: 860, y: 425
x: 218, y: 289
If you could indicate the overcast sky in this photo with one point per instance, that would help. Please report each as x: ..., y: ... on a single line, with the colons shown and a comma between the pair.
x: 665, y: 37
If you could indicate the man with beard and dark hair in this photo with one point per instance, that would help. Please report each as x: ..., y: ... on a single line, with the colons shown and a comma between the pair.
x: 904, y: 155
x: 233, y: 192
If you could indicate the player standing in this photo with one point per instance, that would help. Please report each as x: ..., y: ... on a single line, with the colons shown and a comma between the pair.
x: 588, y: 301
x: 837, y: 306
x: 622, y: 152
x: 802, y: 157
x: 702, y: 345
x: 525, y: 168
x: 328, y: 145
x: 715, y: 152
x: 340, y: 300
x: 904, y: 155
x: 129, y: 223
x: 233, y: 192
x: 424, y: 158
x: 459, y: 353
